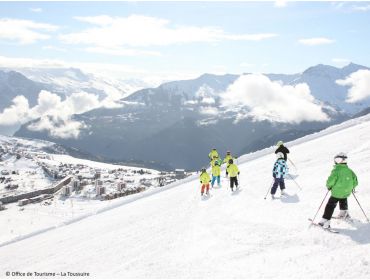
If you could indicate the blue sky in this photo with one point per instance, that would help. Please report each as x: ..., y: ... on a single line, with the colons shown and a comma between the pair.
x: 184, y: 39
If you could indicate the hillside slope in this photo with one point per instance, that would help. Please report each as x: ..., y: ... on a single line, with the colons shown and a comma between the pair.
x: 176, y: 234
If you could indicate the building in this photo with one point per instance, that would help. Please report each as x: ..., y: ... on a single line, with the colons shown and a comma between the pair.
x: 180, y: 173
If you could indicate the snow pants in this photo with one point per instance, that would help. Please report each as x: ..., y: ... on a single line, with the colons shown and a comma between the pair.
x: 332, y: 203
x: 278, y: 182
x: 214, y: 179
x: 233, y: 180
x: 205, y: 187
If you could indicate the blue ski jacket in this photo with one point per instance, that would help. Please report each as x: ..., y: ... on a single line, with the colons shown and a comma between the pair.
x: 280, y: 169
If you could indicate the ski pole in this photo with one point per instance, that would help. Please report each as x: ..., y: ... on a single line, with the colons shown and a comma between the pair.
x: 292, y: 163
x: 360, y: 206
x: 269, y: 188
x: 295, y: 181
x: 319, y: 207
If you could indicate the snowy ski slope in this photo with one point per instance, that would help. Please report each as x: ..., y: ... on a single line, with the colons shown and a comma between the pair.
x: 176, y: 234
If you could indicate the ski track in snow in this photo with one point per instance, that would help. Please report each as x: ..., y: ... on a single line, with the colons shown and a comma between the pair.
x: 177, y: 234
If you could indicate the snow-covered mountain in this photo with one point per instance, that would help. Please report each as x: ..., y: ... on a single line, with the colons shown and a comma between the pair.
x: 13, y: 83
x: 64, y: 81
x: 187, y: 118
x: 176, y: 234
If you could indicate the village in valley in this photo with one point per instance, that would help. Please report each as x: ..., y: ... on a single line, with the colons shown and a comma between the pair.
x: 39, y: 188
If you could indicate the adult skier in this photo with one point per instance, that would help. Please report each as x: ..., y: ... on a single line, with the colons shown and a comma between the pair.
x: 216, y: 174
x: 278, y: 172
x: 233, y: 171
x: 342, y: 181
x: 204, y: 180
x: 282, y: 149
x: 213, y: 154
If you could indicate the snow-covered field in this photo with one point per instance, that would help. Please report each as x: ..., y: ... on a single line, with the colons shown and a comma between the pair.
x: 176, y: 234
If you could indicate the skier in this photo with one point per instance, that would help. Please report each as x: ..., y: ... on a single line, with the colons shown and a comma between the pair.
x: 227, y: 158
x: 342, y: 181
x: 213, y: 154
x: 204, y: 180
x: 233, y: 171
x: 216, y: 172
x: 282, y: 149
x: 278, y: 172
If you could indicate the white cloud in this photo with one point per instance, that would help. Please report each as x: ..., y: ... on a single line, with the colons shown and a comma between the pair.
x: 362, y: 8
x: 53, y: 48
x: 36, y: 10
x: 143, y: 31
x: 316, y: 41
x: 121, y: 51
x: 268, y: 100
x: 24, y: 31
x: 102, y: 20
x: 55, y: 115
x: 359, y: 83
x: 16, y: 113
x: 280, y: 3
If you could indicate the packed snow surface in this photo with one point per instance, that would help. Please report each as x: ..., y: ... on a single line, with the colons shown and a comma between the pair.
x: 177, y: 234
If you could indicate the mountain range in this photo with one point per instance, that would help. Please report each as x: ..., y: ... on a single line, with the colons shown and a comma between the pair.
x: 176, y: 124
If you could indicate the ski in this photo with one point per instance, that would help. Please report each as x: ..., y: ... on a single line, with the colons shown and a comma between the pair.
x: 326, y: 229
x: 348, y: 220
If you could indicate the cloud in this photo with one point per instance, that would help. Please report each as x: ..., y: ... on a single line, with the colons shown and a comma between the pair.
x: 36, y: 10
x: 316, y: 41
x: 268, y: 100
x: 53, y: 48
x: 16, y: 113
x: 361, y: 8
x: 121, y: 51
x: 280, y: 3
x: 24, y: 31
x: 55, y: 114
x: 143, y: 31
x: 359, y: 86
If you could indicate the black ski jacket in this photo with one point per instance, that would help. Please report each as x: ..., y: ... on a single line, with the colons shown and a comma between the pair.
x: 284, y: 150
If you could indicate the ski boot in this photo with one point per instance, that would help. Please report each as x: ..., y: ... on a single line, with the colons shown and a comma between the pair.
x: 343, y: 214
x: 324, y: 223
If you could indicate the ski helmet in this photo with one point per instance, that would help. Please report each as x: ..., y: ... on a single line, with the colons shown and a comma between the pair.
x: 340, y: 158
x: 278, y: 144
x: 231, y: 161
x: 228, y: 152
x: 280, y: 155
x: 203, y: 170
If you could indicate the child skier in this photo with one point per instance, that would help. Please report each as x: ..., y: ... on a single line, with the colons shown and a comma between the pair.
x: 216, y: 172
x: 282, y: 149
x: 341, y: 182
x: 228, y: 157
x: 233, y: 171
x: 213, y: 154
x: 204, y: 180
x: 278, y: 172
